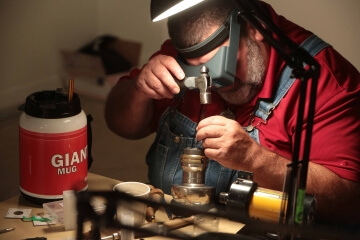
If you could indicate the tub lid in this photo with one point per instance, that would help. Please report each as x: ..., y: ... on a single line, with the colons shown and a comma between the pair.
x: 52, y: 104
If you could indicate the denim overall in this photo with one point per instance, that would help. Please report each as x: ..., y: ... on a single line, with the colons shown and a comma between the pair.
x: 177, y: 132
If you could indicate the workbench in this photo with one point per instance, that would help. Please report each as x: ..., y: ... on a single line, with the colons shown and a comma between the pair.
x: 24, y: 230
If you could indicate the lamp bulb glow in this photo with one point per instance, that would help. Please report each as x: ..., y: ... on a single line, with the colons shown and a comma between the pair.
x: 185, y: 4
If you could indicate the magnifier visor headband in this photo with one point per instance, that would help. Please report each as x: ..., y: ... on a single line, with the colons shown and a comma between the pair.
x: 211, y: 42
x: 222, y: 66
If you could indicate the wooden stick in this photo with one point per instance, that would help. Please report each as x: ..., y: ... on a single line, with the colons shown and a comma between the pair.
x: 70, y: 89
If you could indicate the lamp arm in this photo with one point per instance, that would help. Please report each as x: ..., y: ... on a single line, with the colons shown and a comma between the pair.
x: 296, y: 58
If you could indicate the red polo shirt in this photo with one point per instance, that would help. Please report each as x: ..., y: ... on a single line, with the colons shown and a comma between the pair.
x: 336, y: 129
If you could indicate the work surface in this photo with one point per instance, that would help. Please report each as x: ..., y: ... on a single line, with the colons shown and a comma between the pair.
x: 25, y: 230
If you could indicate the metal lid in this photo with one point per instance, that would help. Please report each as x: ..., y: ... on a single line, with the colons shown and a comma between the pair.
x: 52, y: 104
x: 193, y: 151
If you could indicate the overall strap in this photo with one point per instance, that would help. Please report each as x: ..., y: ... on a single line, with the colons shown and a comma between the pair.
x: 313, y: 45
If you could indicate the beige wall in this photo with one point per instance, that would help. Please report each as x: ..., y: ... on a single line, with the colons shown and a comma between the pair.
x: 131, y: 19
x: 33, y: 32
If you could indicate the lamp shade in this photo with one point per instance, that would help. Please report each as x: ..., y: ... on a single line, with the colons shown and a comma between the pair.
x: 160, y: 9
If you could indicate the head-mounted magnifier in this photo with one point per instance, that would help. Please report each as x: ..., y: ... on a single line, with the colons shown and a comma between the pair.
x: 222, y: 66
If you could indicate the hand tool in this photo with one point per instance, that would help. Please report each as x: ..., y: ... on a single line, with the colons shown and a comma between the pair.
x: 5, y: 230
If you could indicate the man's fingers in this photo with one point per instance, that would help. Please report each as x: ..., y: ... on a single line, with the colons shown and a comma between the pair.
x: 173, y: 66
x: 172, y: 70
x: 157, y: 77
x: 213, y: 131
x: 213, y: 120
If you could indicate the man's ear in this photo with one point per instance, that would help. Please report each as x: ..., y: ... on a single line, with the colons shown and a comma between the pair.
x: 254, y: 34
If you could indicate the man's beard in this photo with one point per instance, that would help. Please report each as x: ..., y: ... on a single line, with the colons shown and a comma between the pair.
x: 242, y: 92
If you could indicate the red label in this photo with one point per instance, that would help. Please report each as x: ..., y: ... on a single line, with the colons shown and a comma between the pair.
x: 51, y: 163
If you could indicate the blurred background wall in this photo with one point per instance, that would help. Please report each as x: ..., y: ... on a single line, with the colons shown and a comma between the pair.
x: 33, y: 33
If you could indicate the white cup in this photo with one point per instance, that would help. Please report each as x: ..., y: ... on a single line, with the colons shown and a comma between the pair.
x: 134, y: 209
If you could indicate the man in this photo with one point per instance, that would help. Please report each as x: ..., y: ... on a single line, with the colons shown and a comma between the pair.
x: 144, y: 102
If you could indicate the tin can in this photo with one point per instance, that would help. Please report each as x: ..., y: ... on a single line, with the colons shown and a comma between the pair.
x: 53, y: 146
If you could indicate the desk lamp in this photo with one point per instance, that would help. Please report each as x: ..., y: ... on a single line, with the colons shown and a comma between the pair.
x: 161, y: 9
x: 296, y: 58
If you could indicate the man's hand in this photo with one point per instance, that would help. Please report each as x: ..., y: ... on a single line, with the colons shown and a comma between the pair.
x: 225, y: 141
x: 156, y: 79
